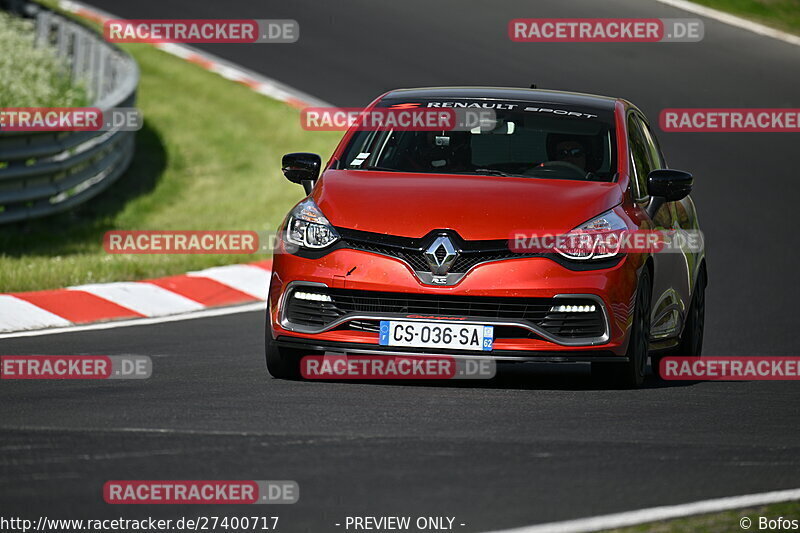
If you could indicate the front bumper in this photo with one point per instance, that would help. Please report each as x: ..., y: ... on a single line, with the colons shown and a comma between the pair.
x: 534, y: 278
x: 511, y: 356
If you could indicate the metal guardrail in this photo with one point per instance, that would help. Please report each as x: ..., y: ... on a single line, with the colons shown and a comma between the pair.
x: 45, y: 173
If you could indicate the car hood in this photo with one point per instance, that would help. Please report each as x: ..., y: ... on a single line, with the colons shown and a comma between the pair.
x: 476, y: 207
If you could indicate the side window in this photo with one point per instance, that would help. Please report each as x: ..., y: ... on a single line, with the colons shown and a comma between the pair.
x: 641, y: 158
x: 655, y: 150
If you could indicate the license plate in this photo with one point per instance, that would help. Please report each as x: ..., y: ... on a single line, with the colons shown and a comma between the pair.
x: 436, y: 335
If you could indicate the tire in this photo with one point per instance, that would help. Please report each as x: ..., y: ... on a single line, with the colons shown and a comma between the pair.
x: 630, y: 374
x: 691, y: 344
x: 282, y: 363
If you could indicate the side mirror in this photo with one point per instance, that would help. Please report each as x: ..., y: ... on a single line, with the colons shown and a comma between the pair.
x: 667, y: 185
x: 302, y: 168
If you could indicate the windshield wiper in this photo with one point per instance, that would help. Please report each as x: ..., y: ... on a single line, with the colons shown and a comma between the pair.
x: 379, y: 169
x: 494, y: 172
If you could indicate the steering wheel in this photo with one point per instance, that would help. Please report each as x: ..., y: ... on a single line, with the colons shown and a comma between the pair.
x: 574, y: 171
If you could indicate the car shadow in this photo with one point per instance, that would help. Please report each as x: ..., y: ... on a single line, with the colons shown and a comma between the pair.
x: 83, y: 226
x: 529, y: 376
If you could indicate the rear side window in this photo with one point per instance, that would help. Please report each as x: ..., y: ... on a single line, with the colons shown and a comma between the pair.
x: 641, y: 156
x: 655, y: 150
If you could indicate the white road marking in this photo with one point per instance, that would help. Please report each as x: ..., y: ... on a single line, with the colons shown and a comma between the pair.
x: 165, y: 431
x: 144, y: 298
x: 733, y: 20
x: 655, y: 514
x: 299, y: 439
x: 16, y: 314
x: 255, y: 306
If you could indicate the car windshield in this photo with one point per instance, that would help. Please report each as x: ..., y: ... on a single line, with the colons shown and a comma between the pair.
x: 528, y: 140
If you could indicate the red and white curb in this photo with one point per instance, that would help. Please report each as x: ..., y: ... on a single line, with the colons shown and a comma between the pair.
x: 208, y: 292
x: 102, y: 302
x: 257, y: 82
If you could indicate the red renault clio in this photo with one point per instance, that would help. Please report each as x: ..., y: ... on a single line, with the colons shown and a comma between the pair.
x: 403, y: 242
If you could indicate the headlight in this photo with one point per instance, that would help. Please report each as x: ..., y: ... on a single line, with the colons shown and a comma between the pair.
x: 600, y: 238
x: 307, y: 227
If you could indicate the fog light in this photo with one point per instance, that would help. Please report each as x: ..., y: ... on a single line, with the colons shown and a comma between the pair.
x: 573, y: 309
x: 312, y: 296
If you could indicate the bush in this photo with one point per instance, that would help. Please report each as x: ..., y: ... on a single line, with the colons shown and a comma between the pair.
x: 31, y: 76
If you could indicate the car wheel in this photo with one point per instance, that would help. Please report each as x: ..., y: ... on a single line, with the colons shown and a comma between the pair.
x: 691, y: 344
x: 282, y: 363
x: 630, y: 374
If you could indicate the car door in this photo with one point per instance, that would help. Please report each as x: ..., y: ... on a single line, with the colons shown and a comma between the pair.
x: 684, y: 219
x: 669, y: 269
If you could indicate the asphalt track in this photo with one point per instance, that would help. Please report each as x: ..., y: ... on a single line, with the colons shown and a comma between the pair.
x: 537, y: 444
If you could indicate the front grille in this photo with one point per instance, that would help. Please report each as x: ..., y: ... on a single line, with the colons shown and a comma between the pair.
x: 465, y: 261
x: 414, y: 258
x: 412, y: 251
x: 537, y: 311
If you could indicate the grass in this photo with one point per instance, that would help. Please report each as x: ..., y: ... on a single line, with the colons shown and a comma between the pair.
x: 32, y: 76
x: 720, y: 522
x: 781, y: 14
x: 208, y: 158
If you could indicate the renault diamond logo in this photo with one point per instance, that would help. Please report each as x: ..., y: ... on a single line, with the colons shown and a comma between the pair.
x: 441, y: 255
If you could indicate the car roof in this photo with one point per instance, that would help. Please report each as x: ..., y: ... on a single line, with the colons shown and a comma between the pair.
x: 504, y: 93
